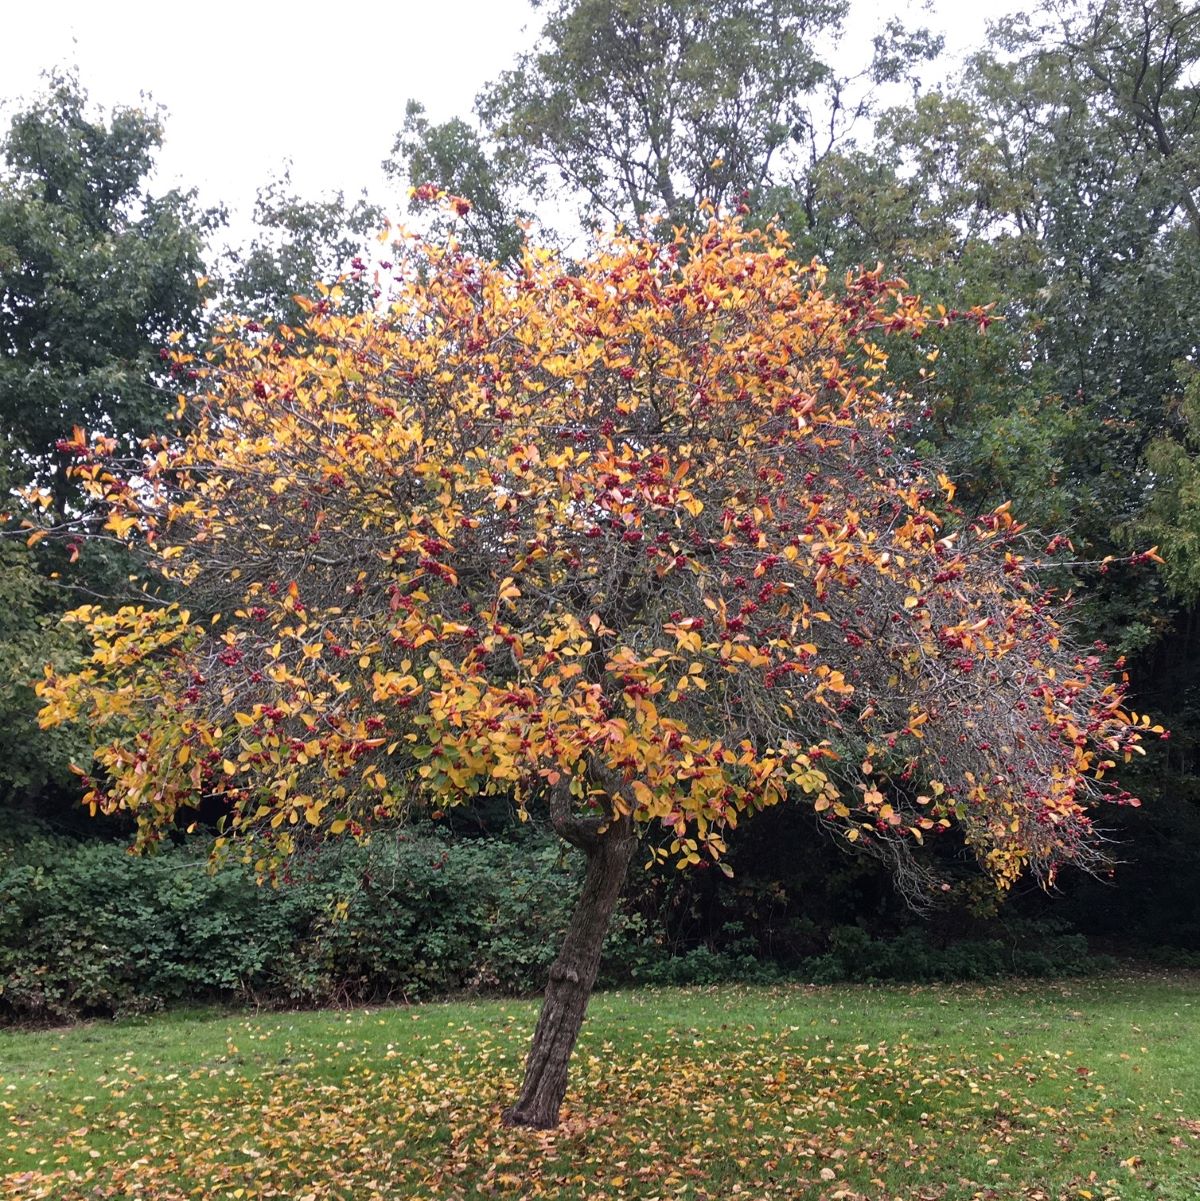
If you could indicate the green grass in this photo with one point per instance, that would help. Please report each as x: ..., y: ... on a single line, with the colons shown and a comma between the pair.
x: 1030, y: 1091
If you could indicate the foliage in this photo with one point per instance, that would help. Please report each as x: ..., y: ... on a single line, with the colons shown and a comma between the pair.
x: 1060, y: 1091
x: 95, y: 272
x: 631, y: 542
x: 33, y: 760
x: 1037, y: 181
x: 453, y: 158
x: 1174, y: 957
x: 648, y: 108
x: 299, y: 244
x: 1036, y: 950
x: 1056, y: 177
x: 634, y: 539
x: 1172, y: 511
x: 87, y: 929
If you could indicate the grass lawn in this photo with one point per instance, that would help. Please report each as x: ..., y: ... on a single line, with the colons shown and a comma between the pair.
x: 1085, y: 1089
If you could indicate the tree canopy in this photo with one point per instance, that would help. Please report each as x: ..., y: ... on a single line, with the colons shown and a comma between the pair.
x: 298, y: 244
x: 95, y: 272
x: 634, y: 543
x: 647, y: 108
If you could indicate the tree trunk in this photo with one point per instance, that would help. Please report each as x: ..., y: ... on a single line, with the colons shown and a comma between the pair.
x: 571, y: 979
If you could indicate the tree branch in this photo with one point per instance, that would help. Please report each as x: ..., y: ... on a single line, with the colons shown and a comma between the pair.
x: 581, y: 832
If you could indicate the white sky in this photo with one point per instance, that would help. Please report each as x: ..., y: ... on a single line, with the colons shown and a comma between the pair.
x: 249, y: 85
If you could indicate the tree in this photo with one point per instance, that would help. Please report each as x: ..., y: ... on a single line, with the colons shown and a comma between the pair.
x: 452, y: 157
x: 299, y: 244
x: 633, y: 544
x: 95, y: 272
x: 1140, y: 57
x: 1172, y: 514
x: 637, y: 109
x: 646, y: 107
x: 34, y: 762
x: 1036, y: 181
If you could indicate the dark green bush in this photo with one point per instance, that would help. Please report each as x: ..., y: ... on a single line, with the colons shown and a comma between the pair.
x: 1028, y: 949
x: 1174, y: 958
x: 87, y: 929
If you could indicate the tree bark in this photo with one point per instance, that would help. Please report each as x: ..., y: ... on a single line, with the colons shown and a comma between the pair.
x: 572, y: 976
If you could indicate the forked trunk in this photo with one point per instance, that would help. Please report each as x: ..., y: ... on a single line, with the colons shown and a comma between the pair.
x: 571, y: 979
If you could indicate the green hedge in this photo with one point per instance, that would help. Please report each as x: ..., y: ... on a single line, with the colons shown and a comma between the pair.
x: 87, y: 929
x: 1035, y: 949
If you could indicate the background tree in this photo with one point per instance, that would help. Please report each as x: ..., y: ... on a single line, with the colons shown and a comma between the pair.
x: 648, y: 108
x: 35, y: 763
x: 1035, y: 181
x: 633, y: 544
x: 454, y: 157
x: 299, y: 244
x: 1038, y: 181
x: 1172, y: 513
x: 95, y: 273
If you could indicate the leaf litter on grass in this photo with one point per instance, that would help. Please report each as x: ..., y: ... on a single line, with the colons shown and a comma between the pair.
x: 766, y: 1094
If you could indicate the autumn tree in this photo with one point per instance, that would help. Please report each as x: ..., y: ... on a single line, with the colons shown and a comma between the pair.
x: 632, y: 543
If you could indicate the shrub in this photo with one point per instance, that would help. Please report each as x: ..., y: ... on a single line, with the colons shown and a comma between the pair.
x: 87, y: 929
x: 1030, y: 949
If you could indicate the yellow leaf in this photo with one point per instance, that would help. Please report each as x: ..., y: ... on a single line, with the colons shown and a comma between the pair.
x: 643, y: 793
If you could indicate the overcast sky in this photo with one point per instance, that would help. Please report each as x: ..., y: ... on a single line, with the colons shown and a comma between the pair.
x: 250, y: 85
